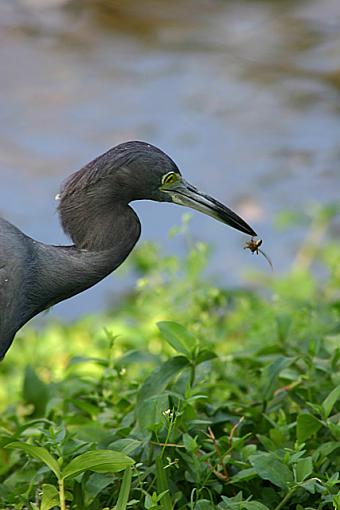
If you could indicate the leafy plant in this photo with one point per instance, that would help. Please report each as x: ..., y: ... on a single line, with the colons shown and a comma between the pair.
x: 193, y: 397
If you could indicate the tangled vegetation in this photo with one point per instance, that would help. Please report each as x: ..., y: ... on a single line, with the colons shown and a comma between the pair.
x: 188, y: 396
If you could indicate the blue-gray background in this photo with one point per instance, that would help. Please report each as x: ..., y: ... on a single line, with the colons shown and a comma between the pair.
x: 245, y: 96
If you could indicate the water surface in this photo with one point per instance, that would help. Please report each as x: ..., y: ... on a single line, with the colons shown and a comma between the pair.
x: 244, y: 96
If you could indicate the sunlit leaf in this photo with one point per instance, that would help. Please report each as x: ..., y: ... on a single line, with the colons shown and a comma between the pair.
x: 50, y: 497
x: 100, y: 461
x: 178, y: 337
x: 38, y: 453
x: 330, y: 401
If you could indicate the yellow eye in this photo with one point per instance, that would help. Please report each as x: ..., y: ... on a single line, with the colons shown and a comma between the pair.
x: 169, y: 178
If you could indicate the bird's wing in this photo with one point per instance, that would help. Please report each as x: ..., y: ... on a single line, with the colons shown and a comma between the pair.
x: 12, y: 258
x: 6, y: 335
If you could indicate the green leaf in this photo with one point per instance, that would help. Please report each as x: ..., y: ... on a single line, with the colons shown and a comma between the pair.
x: 271, y: 373
x: 100, y: 461
x: 94, y: 485
x: 158, y: 380
x: 253, y: 505
x: 204, y: 504
x: 310, y: 485
x: 38, y: 453
x: 324, y: 450
x: 306, y: 425
x: 5, y: 440
x: 124, y: 491
x: 237, y: 503
x: 178, y: 337
x: 50, y: 497
x: 190, y: 443
x: 204, y: 355
x: 303, y: 468
x: 35, y: 391
x: 269, y: 467
x: 330, y: 401
x: 334, y: 429
x: 125, y: 445
x: 149, y: 415
x: 244, y: 474
x: 283, y: 322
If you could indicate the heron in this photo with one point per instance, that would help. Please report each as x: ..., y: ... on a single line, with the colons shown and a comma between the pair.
x: 94, y: 211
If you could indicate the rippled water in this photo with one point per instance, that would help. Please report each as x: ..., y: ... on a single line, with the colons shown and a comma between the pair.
x: 244, y: 96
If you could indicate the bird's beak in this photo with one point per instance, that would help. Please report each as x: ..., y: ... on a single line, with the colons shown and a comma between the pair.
x: 183, y: 193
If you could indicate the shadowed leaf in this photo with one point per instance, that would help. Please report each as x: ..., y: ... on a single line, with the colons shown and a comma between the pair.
x: 35, y: 391
x: 306, y: 426
x: 269, y: 467
x: 124, y: 490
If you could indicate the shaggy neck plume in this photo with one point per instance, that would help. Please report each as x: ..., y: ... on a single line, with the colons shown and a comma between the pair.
x: 94, y: 217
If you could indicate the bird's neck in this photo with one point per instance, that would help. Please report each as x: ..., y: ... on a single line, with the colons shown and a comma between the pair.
x: 64, y: 271
x: 95, y: 225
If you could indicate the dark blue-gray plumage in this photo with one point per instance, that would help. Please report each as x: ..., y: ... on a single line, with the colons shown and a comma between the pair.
x: 94, y: 211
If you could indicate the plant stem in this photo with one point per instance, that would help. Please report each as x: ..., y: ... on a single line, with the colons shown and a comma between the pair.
x: 61, y: 494
x: 170, y: 428
x: 285, y: 499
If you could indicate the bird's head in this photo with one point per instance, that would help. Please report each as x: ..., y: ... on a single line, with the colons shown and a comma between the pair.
x: 136, y: 171
x: 157, y: 177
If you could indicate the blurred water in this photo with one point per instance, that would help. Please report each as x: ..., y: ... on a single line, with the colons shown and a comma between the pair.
x: 244, y: 96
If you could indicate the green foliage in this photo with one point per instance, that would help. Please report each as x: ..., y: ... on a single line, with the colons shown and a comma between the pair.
x: 187, y: 396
